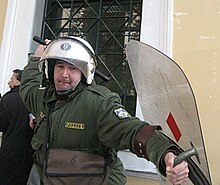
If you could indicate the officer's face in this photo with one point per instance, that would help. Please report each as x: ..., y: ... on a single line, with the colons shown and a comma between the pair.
x: 66, y: 76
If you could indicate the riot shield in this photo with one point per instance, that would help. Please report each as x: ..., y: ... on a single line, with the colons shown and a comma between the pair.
x: 166, y: 98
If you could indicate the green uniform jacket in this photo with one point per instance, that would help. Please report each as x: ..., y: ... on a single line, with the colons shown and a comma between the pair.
x: 91, y: 119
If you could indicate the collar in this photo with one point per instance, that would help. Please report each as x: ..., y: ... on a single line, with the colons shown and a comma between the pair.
x: 15, y: 89
x: 68, y: 95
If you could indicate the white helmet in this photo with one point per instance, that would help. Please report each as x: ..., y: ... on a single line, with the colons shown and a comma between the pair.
x: 73, y: 50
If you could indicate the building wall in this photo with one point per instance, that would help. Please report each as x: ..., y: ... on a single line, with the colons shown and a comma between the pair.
x: 3, y: 7
x: 196, y: 48
x: 195, y: 41
x: 22, y: 21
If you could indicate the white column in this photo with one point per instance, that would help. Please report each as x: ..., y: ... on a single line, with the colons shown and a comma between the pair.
x: 156, y: 25
x: 23, y: 20
x: 156, y: 29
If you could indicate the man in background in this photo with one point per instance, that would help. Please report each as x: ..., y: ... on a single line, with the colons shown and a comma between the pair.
x: 15, y: 152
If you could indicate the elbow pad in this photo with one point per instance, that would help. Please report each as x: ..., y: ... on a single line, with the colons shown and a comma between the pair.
x: 141, y: 139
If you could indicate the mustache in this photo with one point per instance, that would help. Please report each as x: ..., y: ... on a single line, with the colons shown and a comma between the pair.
x: 64, y: 81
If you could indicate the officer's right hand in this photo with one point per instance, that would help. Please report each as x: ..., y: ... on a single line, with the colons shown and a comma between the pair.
x: 178, y: 174
x: 40, y: 49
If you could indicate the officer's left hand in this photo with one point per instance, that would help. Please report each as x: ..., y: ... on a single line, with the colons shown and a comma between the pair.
x: 178, y: 174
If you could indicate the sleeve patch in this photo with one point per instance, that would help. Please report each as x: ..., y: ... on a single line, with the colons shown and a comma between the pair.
x: 121, y: 113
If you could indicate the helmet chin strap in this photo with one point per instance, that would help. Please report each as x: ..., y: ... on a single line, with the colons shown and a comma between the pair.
x: 64, y: 94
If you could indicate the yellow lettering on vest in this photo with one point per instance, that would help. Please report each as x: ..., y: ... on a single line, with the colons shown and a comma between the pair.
x: 80, y: 126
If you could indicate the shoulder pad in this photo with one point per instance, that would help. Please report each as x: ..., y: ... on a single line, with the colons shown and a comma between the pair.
x: 99, y: 89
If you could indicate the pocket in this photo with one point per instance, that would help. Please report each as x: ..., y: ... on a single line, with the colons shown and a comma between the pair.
x: 75, y: 167
x: 38, y: 144
x: 40, y: 134
x: 39, y: 122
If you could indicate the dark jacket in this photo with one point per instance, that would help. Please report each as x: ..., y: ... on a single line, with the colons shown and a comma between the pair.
x: 15, y: 151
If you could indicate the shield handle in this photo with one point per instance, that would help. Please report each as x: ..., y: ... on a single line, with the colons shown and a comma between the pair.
x: 188, y: 153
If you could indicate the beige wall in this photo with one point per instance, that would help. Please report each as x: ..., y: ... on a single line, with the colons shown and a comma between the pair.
x: 196, y: 47
x: 3, y: 6
x: 141, y: 181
